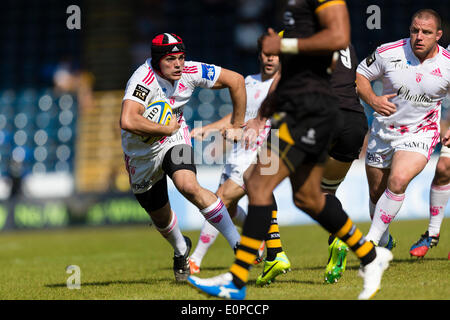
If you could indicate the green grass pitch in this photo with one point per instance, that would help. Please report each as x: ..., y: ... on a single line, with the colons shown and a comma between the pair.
x: 135, y: 262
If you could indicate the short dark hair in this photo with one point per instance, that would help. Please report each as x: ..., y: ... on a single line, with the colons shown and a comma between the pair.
x: 426, y: 13
x: 260, y: 39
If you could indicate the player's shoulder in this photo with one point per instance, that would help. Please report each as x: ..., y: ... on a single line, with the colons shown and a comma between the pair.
x: 392, y: 48
x: 191, y: 67
x: 200, y: 71
x: 253, y: 78
x: 144, y: 74
x: 445, y: 54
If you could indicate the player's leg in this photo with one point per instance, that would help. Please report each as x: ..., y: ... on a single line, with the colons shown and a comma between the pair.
x: 439, y: 195
x: 156, y: 203
x: 377, y: 179
x: 313, y: 134
x: 333, y: 175
x: 328, y: 212
x: 275, y: 253
x: 405, y: 166
x: 345, y: 148
x: 261, y: 206
x: 178, y: 164
x: 230, y: 193
x: 232, y: 285
x: 276, y: 261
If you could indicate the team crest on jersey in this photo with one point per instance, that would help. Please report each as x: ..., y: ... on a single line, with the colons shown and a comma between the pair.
x: 208, y: 72
x: 419, y: 77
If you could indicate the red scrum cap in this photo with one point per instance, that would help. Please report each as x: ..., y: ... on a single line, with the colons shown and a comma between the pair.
x: 165, y: 44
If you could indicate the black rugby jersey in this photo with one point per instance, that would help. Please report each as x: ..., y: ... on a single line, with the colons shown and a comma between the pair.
x: 304, y: 73
x: 343, y: 80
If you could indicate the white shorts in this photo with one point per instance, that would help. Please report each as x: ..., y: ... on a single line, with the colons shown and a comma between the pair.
x: 240, y: 159
x: 144, y: 172
x: 237, y: 162
x: 380, y: 151
x: 235, y: 172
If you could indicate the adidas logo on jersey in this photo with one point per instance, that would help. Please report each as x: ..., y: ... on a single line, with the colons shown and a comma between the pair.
x: 436, y: 72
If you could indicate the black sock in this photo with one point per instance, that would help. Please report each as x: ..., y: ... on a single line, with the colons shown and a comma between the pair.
x: 254, y: 231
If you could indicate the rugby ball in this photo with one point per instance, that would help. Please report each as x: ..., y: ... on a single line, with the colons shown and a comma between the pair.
x: 159, y: 112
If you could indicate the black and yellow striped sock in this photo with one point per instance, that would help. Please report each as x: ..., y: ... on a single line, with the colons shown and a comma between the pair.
x: 253, y: 233
x: 273, y: 239
x: 334, y: 219
x: 353, y: 237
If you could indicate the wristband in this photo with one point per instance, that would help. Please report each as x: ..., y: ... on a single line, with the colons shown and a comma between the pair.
x: 289, y: 45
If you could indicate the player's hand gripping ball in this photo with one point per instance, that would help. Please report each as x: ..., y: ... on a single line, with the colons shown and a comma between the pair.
x: 159, y: 112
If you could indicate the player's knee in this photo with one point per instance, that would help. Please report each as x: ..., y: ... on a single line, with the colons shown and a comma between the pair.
x: 308, y: 203
x: 160, y: 217
x: 256, y: 191
x: 398, y: 183
x: 189, y: 188
x: 442, y: 176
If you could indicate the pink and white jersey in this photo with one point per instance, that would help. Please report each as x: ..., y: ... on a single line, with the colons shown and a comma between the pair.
x: 146, y: 86
x: 420, y: 87
x: 257, y: 91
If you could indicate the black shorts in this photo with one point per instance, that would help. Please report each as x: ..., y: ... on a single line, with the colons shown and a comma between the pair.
x: 180, y: 157
x: 177, y: 158
x: 304, y: 137
x: 349, y: 137
x: 155, y: 198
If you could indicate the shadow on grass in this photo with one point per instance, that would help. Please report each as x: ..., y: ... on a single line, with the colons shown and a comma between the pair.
x: 290, y: 281
x: 356, y: 266
x: 220, y: 268
x: 119, y: 282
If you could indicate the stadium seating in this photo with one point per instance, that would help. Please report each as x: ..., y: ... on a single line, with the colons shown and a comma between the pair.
x: 37, y: 129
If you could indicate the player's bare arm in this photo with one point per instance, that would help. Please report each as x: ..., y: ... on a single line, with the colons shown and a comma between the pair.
x: 254, y: 126
x: 380, y: 104
x: 236, y: 84
x: 200, y: 133
x: 335, y: 35
x: 131, y: 120
x: 446, y: 139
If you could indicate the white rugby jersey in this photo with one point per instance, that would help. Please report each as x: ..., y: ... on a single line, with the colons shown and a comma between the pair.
x: 146, y: 86
x: 420, y: 87
x: 257, y: 91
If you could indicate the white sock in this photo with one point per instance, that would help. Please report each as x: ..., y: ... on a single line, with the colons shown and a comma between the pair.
x: 172, y: 233
x: 240, y: 216
x: 385, y: 211
x: 385, y: 237
x: 439, y: 196
x: 217, y: 214
x: 208, y: 235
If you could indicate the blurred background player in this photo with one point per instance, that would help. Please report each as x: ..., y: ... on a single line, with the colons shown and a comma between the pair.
x: 345, y: 147
x: 240, y: 159
x: 166, y: 76
x: 439, y: 195
x: 405, y: 129
x: 304, y: 122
